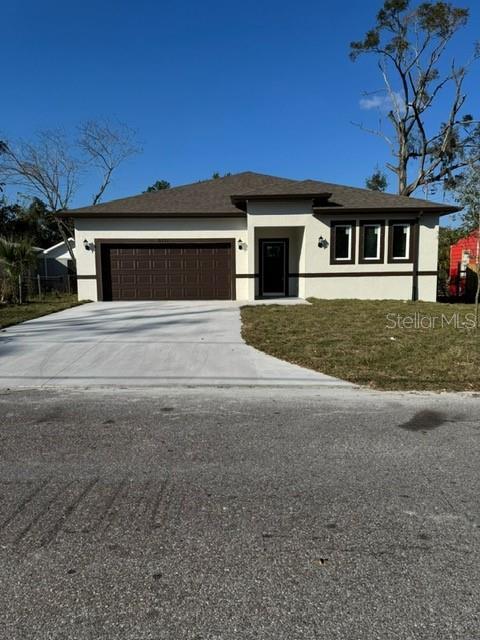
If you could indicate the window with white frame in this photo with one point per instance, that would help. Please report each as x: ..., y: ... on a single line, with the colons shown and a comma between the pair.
x: 343, y: 242
x: 400, y: 240
x: 371, y: 241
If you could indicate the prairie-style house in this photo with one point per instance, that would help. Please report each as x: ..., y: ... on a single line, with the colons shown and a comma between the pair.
x: 249, y: 236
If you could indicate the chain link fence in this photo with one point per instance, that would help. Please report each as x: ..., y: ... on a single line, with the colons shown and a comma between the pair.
x: 38, y: 287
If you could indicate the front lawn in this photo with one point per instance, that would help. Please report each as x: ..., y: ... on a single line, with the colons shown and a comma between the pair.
x: 15, y: 313
x: 383, y: 344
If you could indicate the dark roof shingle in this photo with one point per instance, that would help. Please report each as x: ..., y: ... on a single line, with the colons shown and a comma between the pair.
x: 224, y: 196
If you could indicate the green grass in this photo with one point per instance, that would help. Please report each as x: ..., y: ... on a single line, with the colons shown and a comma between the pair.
x: 14, y: 313
x: 354, y: 340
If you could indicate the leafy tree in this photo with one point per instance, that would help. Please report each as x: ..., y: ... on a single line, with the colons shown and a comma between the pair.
x: 216, y: 175
x: 8, y: 217
x: 32, y: 221
x: 159, y: 185
x: 377, y: 181
x: 17, y: 257
x: 430, y: 144
x: 467, y: 193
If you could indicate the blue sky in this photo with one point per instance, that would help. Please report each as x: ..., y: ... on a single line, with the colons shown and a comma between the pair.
x: 257, y: 85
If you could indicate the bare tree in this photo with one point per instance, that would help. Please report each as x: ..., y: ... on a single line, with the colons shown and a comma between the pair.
x: 50, y: 167
x: 409, y: 44
x: 45, y: 168
x: 3, y: 149
x: 106, y: 146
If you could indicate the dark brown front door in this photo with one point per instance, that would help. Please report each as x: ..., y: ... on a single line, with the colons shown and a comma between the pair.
x: 167, y: 271
x: 274, y: 267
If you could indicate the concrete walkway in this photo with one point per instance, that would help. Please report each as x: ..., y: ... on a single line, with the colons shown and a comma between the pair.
x: 142, y: 343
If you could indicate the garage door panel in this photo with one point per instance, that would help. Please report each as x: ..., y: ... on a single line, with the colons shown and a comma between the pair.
x: 122, y: 265
x: 175, y: 265
x: 158, y: 263
x: 159, y: 279
x: 188, y: 271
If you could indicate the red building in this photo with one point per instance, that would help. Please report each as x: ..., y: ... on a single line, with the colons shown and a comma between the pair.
x: 462, y: 254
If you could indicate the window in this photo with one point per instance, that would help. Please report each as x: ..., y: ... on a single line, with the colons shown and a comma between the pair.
x: 400, y: 233
x: 400, y: 241
x: 372, y: 238
x: 342, y: 245
x: 343, y: 242
x: 371, y: 242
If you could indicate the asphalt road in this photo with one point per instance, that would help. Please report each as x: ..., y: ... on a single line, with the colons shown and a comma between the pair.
x: 219, y: 514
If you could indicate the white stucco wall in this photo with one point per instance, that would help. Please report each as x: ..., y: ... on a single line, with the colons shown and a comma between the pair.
x: 292, y: 219
x: 316, y: 260
x: 155, y: 228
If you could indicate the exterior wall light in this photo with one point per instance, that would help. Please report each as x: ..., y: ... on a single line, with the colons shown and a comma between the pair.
x: 87, y: 245
x: 322, y: 242
x: 241, y: 245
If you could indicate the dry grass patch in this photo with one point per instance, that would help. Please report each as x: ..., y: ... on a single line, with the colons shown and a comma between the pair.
x: 11, y: 314
x: 364, y: 342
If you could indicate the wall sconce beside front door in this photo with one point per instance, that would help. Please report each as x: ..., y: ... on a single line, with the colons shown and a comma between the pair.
x: 322, y: 242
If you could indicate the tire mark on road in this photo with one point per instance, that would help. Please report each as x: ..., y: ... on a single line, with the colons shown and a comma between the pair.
x: 18, y: 510
x: 50, y: 536
x: 89, y: 515
x: 109, y: 513
x: 146, y: 503
x: 159, y: 506
x: 24, y: 532
x: 170, y: 506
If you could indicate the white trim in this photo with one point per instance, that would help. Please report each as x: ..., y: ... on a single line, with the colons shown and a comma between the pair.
x: 59, y: 244
x: 378, y: 227
x: 350, y: 234
x: 405, y: 225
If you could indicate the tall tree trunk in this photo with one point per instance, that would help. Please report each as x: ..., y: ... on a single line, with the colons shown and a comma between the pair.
x: 64, y: 235
x: 402, y: 162
x: 402, y: 178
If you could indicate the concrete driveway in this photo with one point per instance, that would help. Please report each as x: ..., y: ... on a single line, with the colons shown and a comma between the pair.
x: 142, y: 343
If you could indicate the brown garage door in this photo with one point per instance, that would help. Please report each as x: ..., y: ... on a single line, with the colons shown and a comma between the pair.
x: 168, y: 271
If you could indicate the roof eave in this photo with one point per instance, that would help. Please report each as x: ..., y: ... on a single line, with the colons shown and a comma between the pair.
x: 129, y: 214
x: 440, y: 210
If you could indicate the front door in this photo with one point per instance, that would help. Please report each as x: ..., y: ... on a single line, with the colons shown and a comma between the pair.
x: 274, y: 267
